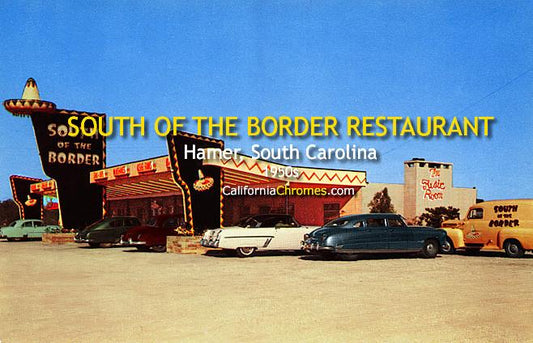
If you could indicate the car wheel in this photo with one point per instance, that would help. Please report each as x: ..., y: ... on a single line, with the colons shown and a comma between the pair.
x: 106, y: 245
x: 245, y: 252
x: 430, y: 248
x: 94, y: 245
x: 142, y: 248
x: 448, y: 247
x: 513, y: 248
x: 11, y: 239
x: 159, y: 248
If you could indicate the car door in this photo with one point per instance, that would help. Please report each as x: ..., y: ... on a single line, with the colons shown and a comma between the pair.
x: 26, y: 229
x: 37, y: 229
x: 111, y: 233
x: 279, y: 233
x: 473, y: 230
x: 355, y: 236
x: 400, y: 236
x: 377, y: 236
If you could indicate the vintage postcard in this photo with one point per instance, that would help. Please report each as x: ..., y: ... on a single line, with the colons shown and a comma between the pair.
x: 223, y: 171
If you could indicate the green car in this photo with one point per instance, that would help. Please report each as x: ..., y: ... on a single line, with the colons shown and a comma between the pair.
x: 26, y: 229
x: 106, y: 232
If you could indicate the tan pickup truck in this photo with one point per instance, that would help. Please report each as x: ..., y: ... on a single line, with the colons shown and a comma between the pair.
x: 499, y: 224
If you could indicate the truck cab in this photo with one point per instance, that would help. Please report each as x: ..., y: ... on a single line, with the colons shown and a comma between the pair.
x: 493, y: 225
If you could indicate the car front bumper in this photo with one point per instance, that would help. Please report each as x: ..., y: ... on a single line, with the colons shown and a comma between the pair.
x: 314, y: 246
x: 81, y: 240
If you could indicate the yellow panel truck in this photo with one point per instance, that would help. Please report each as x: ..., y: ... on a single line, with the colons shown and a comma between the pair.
x: 498, y: 224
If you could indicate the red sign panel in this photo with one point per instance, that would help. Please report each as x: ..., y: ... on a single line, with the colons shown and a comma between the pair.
x: 121, y: 171
x: 48, y: 185
x: 36, y: 187
x: 145, y: 167
x: 100, y: 175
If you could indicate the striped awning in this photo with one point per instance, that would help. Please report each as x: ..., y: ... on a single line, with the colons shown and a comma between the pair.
x: 147, y: 178
x: 152, y: 177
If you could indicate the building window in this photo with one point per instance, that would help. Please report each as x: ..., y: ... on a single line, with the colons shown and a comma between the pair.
x: 331, y: 211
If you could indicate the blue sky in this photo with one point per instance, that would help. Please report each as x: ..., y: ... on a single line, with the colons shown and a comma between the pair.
x: 305, y: 58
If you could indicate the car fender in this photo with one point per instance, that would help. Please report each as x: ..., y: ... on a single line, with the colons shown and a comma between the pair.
x: 334, y: 239
x: 522, y: 235
x: 457, y: 237
x: 155, y: 239
x: 12, y: 232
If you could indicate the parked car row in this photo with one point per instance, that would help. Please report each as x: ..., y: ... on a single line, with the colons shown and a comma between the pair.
x: 128, y: 231
x: 123, y: 230
x: 365, y: 233
x: 504, y: 224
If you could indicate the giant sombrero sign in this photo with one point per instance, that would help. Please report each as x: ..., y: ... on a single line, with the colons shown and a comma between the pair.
x: 68, y: 159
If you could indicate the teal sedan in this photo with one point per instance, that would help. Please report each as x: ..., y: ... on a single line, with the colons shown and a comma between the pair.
x: 26, y: 229
x: 374, y: 233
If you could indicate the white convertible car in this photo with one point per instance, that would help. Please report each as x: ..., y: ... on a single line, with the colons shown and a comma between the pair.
x: 259, y: 232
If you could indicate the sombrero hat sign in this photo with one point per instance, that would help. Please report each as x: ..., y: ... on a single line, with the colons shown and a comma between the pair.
x: 30, y: 102
x: 203, y: 183
x: 30, y: 201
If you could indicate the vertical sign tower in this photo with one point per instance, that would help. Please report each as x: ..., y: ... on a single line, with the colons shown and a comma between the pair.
x: 66, y: 159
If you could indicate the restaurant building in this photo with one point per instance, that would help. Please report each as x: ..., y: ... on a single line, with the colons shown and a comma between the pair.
x: 208, y: 192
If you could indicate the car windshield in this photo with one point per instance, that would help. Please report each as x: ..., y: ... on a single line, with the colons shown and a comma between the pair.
x: 96, y: 224
x: 13, y: 224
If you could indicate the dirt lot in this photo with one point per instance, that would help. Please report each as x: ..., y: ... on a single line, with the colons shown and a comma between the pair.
x: 72, y: 294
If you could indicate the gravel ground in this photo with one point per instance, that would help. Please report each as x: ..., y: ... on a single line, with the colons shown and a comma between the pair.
x: 74, y: 294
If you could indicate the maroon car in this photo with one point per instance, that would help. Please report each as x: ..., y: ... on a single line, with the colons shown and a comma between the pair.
x: 153, y: 235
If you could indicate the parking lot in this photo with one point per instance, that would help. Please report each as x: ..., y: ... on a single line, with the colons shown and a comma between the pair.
x: 72, y: 294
